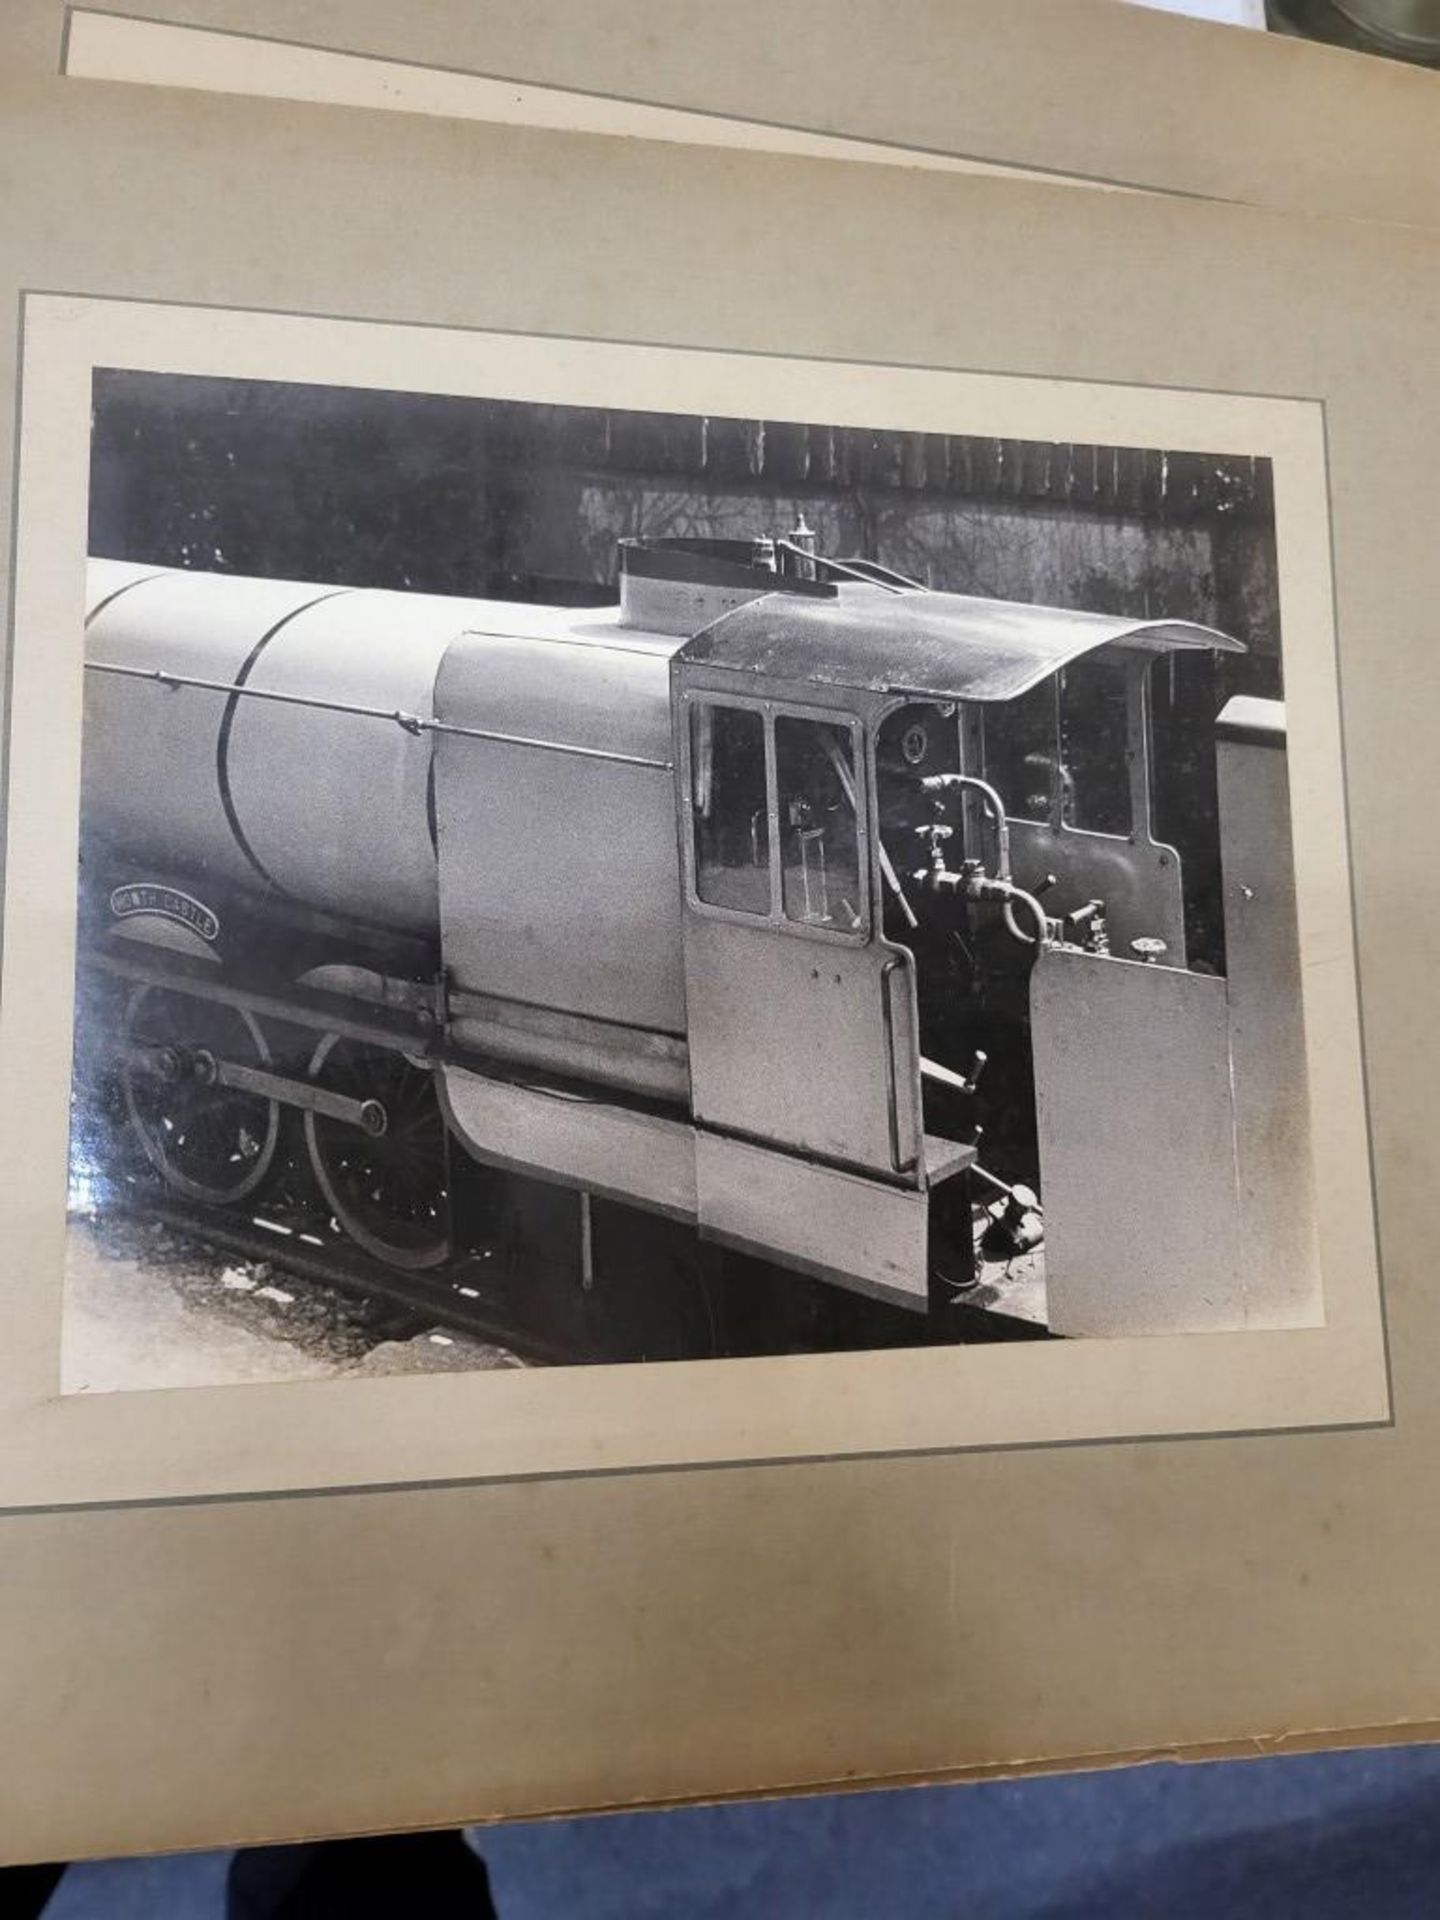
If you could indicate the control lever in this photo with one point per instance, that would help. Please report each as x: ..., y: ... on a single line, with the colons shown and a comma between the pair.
x: 947, y: 1077
x: 1088, y: 923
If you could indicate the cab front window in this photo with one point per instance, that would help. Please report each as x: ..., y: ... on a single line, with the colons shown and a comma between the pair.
x: 775, y: 803
x: 729, y: 808
x: 819, y: 837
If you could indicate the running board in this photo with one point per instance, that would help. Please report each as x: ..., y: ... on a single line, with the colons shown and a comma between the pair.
x: 869, y: 1236
x: 615, y: 1152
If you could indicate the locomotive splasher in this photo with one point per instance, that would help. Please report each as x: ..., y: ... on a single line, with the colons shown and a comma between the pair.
x: 789, y: 902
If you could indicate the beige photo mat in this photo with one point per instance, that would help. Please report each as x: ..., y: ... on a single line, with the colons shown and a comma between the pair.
x: 534, y: 1646
x: 182, y: 1442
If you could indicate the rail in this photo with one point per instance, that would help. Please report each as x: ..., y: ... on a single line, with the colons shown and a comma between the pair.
x: 412, y: 723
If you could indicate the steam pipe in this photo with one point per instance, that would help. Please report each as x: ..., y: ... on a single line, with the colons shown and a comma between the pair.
x: 1000, y: 886
x: 1019, y: 898
x: 941, y: 783
x: 783, y: 545
x: 878, y: 573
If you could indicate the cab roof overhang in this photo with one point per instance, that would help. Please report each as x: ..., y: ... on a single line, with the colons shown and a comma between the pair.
x: 925, y: 646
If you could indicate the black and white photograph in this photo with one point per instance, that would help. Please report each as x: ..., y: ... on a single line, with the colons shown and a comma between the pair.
x: 577, y: 884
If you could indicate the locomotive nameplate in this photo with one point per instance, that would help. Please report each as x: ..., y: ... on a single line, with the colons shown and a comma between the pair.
x: 166, y: 903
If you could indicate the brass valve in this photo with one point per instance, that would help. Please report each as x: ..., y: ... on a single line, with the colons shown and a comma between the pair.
x: 935, y: 836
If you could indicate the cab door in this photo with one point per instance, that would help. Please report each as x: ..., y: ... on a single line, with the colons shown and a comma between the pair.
x: 801, y: 1017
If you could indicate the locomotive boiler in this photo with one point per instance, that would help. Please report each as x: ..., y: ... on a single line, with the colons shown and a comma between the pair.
x: 788, y: 914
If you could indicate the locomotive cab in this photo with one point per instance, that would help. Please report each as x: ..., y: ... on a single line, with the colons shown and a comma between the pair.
x: 904, y: 816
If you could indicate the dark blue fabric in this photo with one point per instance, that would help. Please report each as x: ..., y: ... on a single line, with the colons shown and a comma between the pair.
x: 1327, y: 1836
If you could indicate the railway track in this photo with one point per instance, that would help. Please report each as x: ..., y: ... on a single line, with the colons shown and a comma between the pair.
x: 473, y: 1296
x: 462, y: 1298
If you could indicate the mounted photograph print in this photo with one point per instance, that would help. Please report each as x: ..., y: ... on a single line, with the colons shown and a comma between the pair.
x: 587, y: 884
x: 627, y: 898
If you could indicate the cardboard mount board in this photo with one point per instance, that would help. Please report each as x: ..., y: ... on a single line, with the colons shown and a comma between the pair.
x: 1322, y: 1365
x: 211, y: 1670
x: 1087, y: 89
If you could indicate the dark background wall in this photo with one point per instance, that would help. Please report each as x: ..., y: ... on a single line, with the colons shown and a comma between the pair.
x: 510, y: 500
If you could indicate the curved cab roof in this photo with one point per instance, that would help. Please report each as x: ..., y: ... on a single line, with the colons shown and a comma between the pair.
x: 933, y: 646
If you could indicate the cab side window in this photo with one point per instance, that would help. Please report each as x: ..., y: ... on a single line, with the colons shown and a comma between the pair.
x: 774, y: 816
x: 729, y: 808
x: 819, y: 840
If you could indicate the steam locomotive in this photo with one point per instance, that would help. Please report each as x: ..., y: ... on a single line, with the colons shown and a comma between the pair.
x: 788, y: 921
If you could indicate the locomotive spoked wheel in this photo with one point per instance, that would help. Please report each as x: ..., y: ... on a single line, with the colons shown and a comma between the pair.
x: 389, y: 1191
x: 209, y: 1143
